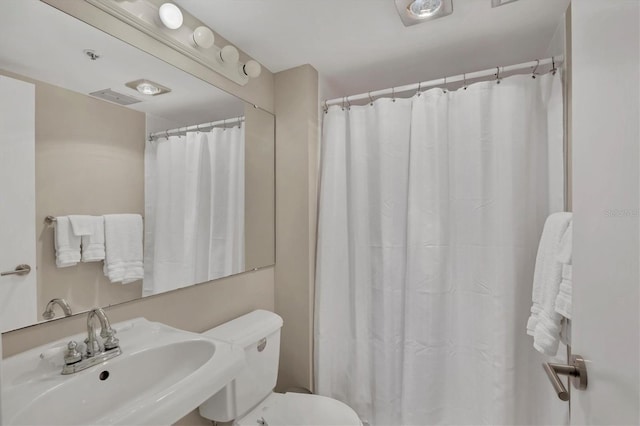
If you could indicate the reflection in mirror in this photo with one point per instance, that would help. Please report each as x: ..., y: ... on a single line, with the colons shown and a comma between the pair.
x: 171, y: 188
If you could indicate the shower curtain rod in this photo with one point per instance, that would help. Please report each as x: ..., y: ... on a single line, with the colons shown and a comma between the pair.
x: 497, y: 71
x: 197, y: 127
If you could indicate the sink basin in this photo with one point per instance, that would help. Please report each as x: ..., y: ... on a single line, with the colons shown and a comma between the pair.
x: 162, y: 375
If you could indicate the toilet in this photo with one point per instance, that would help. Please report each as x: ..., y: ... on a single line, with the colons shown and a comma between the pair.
x: 249, y: 400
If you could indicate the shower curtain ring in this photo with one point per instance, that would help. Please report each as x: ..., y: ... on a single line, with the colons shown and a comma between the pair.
x: 370, y: 99
x: 533, y: 73
x: 553, y: 65
x: 419, y: 92
x: 224, y: 125
x: 444, y: 89
x: 166, y: 133
x: 498, y: 75
x: 342, y: 106
x: 464, y: 81
x: 393, y: 94
x: 326, y: 106
x: 348, y: 104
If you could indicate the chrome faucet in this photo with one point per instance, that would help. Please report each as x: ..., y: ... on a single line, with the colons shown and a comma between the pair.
x: 48, y: 312
x: 95, y: 352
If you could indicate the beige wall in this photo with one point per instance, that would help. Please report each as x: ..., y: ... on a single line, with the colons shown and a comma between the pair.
x: 89, y: 160
x: 296, y: 101
x: 259, y: 188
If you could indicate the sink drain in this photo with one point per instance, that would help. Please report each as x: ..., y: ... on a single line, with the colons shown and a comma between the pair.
x: 104, y: 375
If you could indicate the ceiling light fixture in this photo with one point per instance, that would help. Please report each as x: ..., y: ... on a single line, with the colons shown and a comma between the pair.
x: 147, y: 87
x: 416, y: 11
x: 421, y: 9
x: 171, y: 16
x: 194, y: 40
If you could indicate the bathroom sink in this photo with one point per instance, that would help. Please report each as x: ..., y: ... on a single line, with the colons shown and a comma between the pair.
x: 162, y: 375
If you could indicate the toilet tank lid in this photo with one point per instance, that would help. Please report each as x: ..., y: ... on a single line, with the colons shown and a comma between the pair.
x: 247, y: 329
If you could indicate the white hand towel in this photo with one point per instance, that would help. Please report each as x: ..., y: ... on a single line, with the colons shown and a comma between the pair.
x: 66, y: 243
x: 544, y: 322
x: 91, y: 230
x: 123, y: 242
x: 563, y: 301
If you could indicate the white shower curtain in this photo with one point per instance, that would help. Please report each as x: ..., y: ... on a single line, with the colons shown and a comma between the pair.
x: 194, y: 208
x: 430, y: 213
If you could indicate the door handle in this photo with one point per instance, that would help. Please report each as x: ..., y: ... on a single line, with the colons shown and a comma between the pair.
x: 576, y: 370
x: 20, y: 270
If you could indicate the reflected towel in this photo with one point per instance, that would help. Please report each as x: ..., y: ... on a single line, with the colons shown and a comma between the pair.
x: 123, y: 242
x: 91, y: 231
x: 66, y: 243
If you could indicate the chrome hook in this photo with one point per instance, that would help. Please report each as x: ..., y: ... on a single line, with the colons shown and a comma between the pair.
x: 326, y: 107
x: 533, y: 73
x: 498, y: 75
x: 370, y: 98
x: 348, y: 104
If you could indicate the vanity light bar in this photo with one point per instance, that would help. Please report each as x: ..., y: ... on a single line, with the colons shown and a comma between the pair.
x: 191, y: 38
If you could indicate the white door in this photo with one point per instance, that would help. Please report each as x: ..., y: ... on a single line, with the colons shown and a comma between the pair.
x: 18, y: 296
x: 605, y: 104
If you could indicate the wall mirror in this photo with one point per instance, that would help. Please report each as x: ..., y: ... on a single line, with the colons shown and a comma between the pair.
x: 203, y: 184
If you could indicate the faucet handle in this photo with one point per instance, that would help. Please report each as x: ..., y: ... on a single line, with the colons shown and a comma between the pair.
x: 72, y: 355
x: 111, y: 341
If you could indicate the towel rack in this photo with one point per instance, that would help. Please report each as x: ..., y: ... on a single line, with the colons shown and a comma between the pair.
x: 50, y: 220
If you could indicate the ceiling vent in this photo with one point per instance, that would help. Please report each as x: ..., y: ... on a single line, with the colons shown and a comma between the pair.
x: 115, y: 97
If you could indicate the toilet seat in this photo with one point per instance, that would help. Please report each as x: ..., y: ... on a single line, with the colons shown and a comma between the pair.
x: 300, y: 409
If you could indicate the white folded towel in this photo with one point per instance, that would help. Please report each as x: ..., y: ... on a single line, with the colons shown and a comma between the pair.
x: 544, y: 322
x: 66, y: 243
x: 563, y: 301
x: 123, y: 242
x: 91, y: 230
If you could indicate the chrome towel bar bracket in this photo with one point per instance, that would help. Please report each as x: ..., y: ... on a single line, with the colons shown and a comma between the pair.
x: 576, y: 370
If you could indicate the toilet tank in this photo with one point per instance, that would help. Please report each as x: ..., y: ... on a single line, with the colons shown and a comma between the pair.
x: 258, y: 333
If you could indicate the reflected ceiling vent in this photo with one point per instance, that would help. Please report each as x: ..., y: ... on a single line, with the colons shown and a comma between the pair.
x: 416, y: 11
x: 115, y: 97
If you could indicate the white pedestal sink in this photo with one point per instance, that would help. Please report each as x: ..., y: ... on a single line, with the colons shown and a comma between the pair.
x: 162, y: 375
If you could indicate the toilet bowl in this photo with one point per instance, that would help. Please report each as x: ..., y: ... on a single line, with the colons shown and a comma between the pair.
x: 249, y: 400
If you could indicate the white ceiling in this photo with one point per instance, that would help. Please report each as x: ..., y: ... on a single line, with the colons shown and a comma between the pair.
x: 361, y: 45
x: 45, y: 44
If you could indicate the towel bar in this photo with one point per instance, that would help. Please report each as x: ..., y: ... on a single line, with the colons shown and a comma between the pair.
x: 50, y: 220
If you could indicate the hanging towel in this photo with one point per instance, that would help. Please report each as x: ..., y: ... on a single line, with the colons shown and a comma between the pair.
x: 123, y: 243
x: 563, y: 301
x: 544, y: 322
x: 91, y: 231
x: 66, y: 243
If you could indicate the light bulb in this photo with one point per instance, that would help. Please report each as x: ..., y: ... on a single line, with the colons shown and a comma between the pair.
x: 252, y: 68
x: 203, y: 37
x: 147, y: 88
x: 421, y: 9
x: 170, y: 15
x: 229, y: 54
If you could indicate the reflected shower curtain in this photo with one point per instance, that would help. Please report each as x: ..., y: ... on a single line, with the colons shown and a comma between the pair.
x: 430, y: 213
x: 194, y: 208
